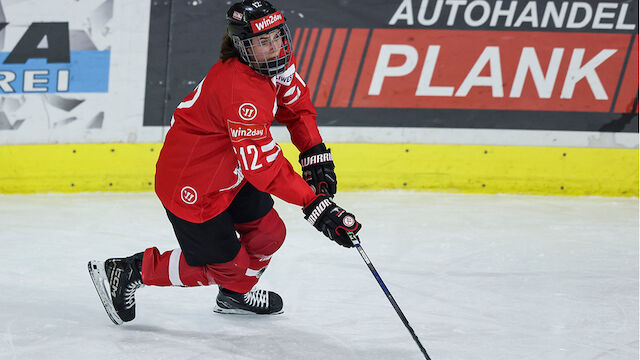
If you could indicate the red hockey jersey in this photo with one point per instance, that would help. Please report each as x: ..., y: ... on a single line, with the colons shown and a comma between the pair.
x: 220, y: 138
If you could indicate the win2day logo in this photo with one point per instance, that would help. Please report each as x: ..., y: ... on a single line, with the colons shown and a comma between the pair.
x: 42, y: 61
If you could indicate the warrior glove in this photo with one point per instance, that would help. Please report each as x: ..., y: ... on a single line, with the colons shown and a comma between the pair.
x: 330, y: 219
x: 317, y: 170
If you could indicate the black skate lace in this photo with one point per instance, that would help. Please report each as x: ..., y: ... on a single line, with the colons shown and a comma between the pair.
x: 257, y: 298
x: 129, y: 292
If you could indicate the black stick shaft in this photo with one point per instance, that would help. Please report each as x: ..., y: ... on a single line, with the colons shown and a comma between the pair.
x: 356, y: 244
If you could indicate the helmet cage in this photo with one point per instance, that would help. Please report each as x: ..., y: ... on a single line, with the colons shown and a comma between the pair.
x: 258, y: 54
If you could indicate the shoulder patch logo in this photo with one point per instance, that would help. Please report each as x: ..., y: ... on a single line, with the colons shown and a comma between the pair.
x: 286, y: 77
x: 247, y: 111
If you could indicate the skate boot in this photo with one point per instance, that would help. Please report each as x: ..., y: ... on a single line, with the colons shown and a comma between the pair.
x: 256, y: 301
x: 116, y: 281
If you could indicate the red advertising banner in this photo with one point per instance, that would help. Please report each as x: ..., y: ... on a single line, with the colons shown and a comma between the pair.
x: 491, y: 70
x: 460, y: 69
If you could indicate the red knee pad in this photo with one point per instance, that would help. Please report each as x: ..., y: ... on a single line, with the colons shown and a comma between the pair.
x: 232, y: 274
x: 264, y: 236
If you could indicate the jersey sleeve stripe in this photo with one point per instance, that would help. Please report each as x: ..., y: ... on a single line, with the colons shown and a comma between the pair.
x: 272, y: 157
x: 269, y: 146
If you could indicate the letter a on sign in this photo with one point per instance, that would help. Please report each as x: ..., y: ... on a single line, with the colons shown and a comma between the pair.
x: 57, y: 35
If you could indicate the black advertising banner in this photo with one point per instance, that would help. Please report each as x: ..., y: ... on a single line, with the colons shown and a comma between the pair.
x: 545, y: 65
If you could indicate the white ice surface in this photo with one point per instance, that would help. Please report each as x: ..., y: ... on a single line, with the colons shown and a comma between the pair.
x: 478, y: 276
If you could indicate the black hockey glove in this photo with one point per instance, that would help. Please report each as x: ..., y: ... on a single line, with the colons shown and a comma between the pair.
x: 331, y: 220
x: 317, y: 170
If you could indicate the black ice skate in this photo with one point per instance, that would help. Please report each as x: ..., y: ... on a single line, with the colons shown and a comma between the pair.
x: 261, y: 302
x: 116, y: 281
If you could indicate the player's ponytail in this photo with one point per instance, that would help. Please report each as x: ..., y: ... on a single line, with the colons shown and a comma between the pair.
x: 227, y: 50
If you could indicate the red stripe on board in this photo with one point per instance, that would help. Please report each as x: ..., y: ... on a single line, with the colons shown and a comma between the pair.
x: 316, y: 65
x: 309, y: 53
x: 329, y: 73
x: 349, y: 69
x: 296, y: 39
x: 300, y: 50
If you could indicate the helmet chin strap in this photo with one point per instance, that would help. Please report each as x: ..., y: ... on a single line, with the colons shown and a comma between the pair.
x: 270, y: 68
x: 273, y: 69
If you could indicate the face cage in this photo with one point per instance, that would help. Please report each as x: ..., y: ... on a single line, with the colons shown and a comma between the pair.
x: 261, y: 63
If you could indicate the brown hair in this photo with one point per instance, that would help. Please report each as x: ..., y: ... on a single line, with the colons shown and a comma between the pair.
x: 227, y: 50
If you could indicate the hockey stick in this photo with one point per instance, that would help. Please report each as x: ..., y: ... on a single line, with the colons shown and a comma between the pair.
x: 356, y: 243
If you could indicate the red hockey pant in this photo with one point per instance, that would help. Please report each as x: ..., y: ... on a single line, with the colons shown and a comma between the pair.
x: 259, y: 240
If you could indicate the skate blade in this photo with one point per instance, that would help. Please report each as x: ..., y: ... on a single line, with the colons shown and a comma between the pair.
x: 220, y: 310
x: 100, y: 281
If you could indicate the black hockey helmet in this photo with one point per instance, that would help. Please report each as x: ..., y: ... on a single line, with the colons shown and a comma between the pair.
x: 260, y: 33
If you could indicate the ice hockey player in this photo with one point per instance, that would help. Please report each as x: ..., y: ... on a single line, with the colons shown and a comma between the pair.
x: 219, y: 167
